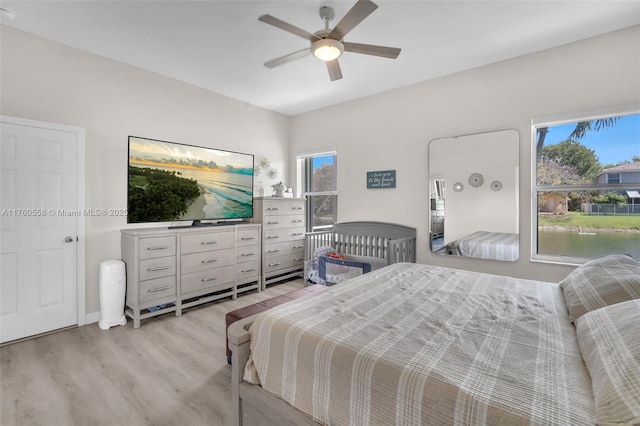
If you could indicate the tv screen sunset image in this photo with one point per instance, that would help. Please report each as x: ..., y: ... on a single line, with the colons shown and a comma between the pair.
x: 170, y: 181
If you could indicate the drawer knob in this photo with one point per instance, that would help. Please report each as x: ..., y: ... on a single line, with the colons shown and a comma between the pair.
x: 248, y: 254
x: 274, y: 264
x: 273, y: 208
x: 274, y: 250
x: 297, y: 259
x: 209, y: 242
x: 248, y: 270
x: 298, y: 233
x: 204, y: 280
x: 272, y: 223
x: 210, y: 261
x: 248, y: 238
x: 271, y: 237
x: 158, y: 248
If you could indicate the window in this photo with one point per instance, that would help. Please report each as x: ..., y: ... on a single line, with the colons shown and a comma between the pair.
x: 318, y: 174
x: 613, y: 177
x: 586, y: 175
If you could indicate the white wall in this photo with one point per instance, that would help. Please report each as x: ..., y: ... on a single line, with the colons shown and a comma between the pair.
x: 45, y: 81
x: 391, y: 131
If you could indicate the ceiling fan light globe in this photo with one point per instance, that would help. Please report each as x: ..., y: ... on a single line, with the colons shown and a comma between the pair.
x: 327, y: 49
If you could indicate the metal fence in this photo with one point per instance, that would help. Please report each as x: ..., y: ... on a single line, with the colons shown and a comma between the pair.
x: 613, y: 209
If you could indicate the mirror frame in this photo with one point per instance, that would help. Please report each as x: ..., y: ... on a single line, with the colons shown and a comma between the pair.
x: 480, y: 171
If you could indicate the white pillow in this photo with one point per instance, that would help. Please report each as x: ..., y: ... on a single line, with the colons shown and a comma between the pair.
x: 609, y: 340
x: 601, y: 282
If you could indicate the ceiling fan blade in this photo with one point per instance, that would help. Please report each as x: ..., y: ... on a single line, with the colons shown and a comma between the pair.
x: 334, y: 70
x: 278, y: 23
x: 371, y: 49
x: 287, y: 58
x: 354, y: 16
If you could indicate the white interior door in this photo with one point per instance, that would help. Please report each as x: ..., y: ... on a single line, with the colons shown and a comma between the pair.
x: 39, y: 229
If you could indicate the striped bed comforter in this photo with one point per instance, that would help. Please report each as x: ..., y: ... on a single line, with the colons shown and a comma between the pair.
x: 490, y: 245
x: 416, y: 344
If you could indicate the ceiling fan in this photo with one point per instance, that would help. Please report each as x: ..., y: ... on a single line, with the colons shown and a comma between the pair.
x: 328, y: 44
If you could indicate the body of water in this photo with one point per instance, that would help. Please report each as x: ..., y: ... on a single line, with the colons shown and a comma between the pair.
x: 588, y: 245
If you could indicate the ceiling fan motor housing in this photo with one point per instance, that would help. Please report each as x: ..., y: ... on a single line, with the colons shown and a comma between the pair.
x: 326, y: 49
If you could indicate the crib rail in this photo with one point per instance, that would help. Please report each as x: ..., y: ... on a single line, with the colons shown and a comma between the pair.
x: 316, y: 239
x: 402, y: 250
x: 395, y: 243
x: 361, y: 245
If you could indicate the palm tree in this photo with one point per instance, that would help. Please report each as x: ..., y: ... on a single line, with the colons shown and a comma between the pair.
x: 580, y: 131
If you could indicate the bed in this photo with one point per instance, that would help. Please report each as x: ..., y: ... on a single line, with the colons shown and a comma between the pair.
x: 418, y: 344
x: 363, y: 246
x: 489, y: 245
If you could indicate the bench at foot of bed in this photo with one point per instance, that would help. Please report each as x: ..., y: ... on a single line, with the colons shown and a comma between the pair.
x: 262, y: 306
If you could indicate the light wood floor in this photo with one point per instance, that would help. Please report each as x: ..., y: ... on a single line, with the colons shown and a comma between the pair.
x: 170, y: 371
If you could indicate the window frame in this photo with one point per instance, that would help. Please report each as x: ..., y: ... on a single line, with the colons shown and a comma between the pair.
x: 618, y: 179
x: 555, y: 120
x: 304, y: 176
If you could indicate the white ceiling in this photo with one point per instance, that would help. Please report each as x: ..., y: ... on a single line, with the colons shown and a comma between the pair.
x: 221, y: 45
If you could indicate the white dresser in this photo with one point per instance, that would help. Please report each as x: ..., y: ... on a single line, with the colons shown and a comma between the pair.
x: 283, y: 229
x: 172, y: 269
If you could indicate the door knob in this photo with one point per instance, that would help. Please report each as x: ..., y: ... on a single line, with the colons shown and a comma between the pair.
x: 68, y: 239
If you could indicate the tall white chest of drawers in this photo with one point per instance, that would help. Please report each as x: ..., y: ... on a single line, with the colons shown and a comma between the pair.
x: 283, y: 228
x: 172, y: 269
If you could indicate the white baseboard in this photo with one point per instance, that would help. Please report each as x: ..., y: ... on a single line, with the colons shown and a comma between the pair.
x: 92, y: 317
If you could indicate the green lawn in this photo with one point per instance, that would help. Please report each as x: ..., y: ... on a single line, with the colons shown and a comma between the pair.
x: 591, y: 221
x: 137, y: 180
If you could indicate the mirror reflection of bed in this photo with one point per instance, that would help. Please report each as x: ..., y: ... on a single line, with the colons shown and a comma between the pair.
x: 473, y: 190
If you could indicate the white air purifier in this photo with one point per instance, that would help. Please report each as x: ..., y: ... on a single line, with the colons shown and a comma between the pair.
x: 112, y: 290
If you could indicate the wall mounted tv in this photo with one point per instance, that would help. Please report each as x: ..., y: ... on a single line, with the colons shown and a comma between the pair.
x: 175, y: 182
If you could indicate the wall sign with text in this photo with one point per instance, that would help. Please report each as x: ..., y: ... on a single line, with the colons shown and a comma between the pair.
x: 381, y: 179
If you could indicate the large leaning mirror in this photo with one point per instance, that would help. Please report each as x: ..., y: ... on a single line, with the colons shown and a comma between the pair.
x: 473, y: 190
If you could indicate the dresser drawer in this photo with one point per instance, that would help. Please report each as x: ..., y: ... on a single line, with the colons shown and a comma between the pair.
x: 247, y: 237
x: 196, y: 243
x: 283, y: 221
x: 157, y: 289
x: 157, y: 268
x: 281, y: 262
x: 282, y: 235
x: 247, y: 271
x: 219, y: 277
x: 289, y: 247
x: 157, y: 247
x: 206, y: 260
x: 246, y: 254
x: 283, y: 206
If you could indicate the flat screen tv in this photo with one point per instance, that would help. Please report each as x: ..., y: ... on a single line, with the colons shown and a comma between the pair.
x: 175, y: 182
